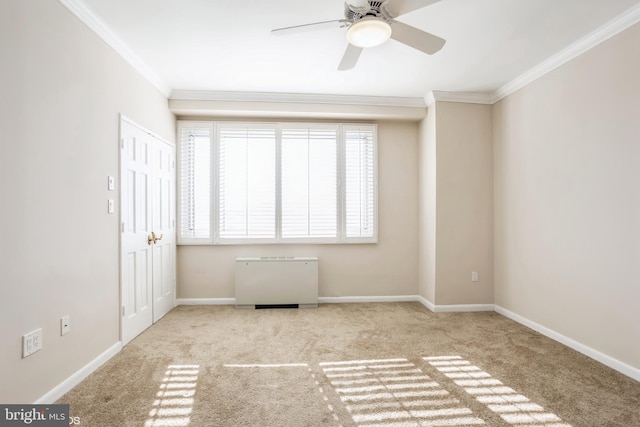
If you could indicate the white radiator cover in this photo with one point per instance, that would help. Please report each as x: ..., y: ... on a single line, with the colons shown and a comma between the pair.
x: 276, y: 281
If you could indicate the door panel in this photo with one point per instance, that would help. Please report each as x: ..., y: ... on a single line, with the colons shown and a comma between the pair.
x: 164, y: 225
x: 136, y: 274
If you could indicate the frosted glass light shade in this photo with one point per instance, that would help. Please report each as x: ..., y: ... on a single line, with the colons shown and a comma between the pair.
x: 369, y: 32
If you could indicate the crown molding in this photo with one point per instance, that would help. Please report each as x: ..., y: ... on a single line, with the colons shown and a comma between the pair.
x: 608, y: 30
x: 297, y: 98
x: 85, y: 15
x: 465, y: 97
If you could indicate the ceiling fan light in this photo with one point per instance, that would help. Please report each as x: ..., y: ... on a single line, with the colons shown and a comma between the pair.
x: 369, y: 32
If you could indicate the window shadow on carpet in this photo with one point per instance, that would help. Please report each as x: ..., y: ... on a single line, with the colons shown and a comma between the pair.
x: 175, y: 397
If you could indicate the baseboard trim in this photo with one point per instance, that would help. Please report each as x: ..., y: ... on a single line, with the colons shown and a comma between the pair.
x: 355, y: 299
x: 75, y: 379
x: 430, y: 306
x: 321, y: 300
x: 206, y: 301
x: 454, y: 308
x: 609, y: 361
x: 462, y: 308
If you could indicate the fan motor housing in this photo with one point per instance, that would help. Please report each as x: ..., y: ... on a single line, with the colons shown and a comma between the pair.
x: 377, y: 9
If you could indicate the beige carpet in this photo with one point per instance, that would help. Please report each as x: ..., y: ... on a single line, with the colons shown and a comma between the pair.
x: 393, y: 364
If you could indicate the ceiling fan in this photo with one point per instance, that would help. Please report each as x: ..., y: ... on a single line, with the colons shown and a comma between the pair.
x: 370, y: 23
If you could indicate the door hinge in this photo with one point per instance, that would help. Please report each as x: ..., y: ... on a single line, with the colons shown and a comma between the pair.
x: 123, y: 310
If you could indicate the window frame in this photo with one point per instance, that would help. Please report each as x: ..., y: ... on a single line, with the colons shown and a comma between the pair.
x: 341, y: 226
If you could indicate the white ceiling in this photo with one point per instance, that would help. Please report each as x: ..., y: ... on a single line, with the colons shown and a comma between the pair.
x: 217, y: 45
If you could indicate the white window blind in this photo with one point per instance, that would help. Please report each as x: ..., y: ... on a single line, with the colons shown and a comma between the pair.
x: 277, y: 183
x: 309, y: 182
x: 360, y: 181
x: 247, y: 182
x: 195, y: 180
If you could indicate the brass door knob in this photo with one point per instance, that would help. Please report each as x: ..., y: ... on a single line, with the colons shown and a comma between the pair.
x: 153, y: 238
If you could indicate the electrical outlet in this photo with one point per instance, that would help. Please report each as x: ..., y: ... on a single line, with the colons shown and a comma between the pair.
x: 37, y: 340
x: 27, y: 345
x: 31, y: 342
x: 65, y: 325
x: 474, y: 276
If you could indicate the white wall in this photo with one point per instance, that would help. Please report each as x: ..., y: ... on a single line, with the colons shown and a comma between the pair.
x: 386, y: 268
x: 567, y: 199
x: 62, y: 89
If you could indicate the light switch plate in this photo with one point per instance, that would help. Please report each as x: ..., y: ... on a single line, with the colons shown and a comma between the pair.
x: 111, y: 183
x: 111, y: 208
x: 65, y: 325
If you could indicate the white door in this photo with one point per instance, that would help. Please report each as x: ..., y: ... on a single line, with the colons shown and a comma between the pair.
x: 164, y: 227
x: 147, y: 200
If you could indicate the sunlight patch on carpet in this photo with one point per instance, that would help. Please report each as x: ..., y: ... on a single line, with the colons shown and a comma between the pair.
x: 394, y: 392
x: 174, y: 400
x: 512, y: 407
x: 266, y: 365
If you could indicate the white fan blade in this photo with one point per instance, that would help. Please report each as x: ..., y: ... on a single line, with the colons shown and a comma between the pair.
x: 400, y: 7
x: 350, y: 57
x: 417, y: 39
x: 310, y: 27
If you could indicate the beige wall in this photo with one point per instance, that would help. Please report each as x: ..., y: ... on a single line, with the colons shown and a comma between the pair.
x: 464, y: 209
x: 389, y: 267
x: 456, y: 204
x: 567, y: 199
x: 62, y: 89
